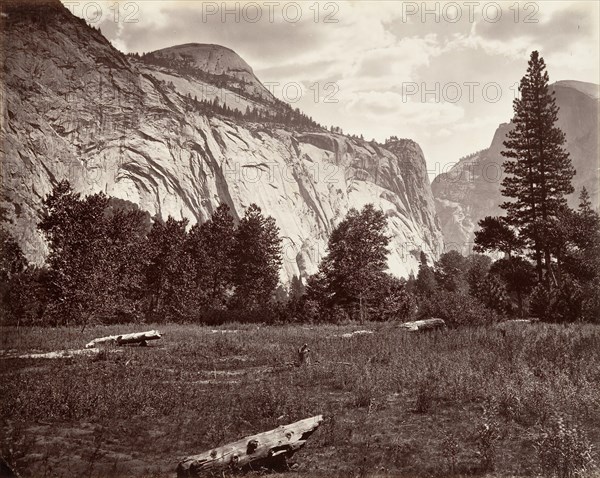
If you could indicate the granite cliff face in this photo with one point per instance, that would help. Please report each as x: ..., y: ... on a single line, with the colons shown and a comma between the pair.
x: 74, y: 107
x: 471, y: 189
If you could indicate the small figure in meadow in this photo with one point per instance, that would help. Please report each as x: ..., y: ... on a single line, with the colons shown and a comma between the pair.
x: 303, y: 357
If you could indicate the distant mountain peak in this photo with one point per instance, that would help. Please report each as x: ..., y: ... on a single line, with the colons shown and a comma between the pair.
x: 201, y: 52
x: 590, y: 89
x: 215, y: 60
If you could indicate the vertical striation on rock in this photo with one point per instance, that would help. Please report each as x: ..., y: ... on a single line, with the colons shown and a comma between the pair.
x: 74, y: 107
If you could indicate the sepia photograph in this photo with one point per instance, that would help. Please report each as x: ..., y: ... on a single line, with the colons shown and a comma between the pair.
x: 297, y: 239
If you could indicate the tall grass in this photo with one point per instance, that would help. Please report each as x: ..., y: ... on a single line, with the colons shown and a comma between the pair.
x: 405, y: 403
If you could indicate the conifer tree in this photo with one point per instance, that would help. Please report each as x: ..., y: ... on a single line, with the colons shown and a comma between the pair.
x: 425, y: 282
x: 496, y: 235
x: 539, y: 170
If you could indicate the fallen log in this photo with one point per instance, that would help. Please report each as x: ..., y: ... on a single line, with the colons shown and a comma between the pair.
x: 60, y: 354
x: 422, y: 325
x: 349, y: 335
x: 357, y: 332
x: 268, y: 449
x: 135, y: 338
x: 517, y: 322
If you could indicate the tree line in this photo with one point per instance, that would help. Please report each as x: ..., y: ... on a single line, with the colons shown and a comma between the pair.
x: 278, y: 112
x: 110, y: 262
x: 283, y: 114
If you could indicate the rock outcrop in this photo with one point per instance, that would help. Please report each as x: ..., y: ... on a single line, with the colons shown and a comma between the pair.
x: 471, y: 189
x: 74, y: 107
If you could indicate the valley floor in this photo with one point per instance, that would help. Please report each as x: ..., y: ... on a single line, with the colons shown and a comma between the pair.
x: 473, y: 401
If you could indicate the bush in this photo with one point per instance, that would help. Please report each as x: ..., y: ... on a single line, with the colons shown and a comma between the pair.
x: 564, y: 451
x: 456, y: 308
x: 558, y: 304
x: 492, y: 292
x: 539, y: 302
x: 487, y: 435
x: 591, y: 301
x: 26, y: 297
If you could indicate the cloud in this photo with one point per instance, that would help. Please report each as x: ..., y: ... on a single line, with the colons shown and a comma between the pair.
x: 398, y: 109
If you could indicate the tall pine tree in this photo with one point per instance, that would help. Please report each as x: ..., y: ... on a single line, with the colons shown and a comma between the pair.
x: 539, y: 170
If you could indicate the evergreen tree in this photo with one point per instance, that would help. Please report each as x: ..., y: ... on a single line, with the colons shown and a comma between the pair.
x: 478, y: 266
x: 492, y: 292
x: 12, y: 259
x: 12, y: 265
x: 581, y: 259
x: 495, y: 234
x: 518, y: 275
x: 587, y: 227
x: 450, y: 272
x: 539, y: 170
x: 297, y: 288
x: 425, y: 283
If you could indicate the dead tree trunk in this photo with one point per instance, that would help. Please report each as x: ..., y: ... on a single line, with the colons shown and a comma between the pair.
x: 303, y: 355
x: 423, y: 325
x: 268, y: 449
x: 136, y: 338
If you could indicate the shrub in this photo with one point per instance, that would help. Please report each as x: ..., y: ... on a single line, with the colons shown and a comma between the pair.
x: 564, y: 451
x: 486, y: 436
x: 558, y: 304
x: 493, y: 293
x: 456, y: 308
x: 450, y: 451
x: 539, y: 302
x: 426, y: 388
x: 591, y: 301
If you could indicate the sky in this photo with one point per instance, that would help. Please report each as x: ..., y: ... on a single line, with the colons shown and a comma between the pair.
x: 441, y: 73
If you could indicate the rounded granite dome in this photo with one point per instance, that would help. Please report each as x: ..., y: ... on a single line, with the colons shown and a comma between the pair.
x: 213, y: 59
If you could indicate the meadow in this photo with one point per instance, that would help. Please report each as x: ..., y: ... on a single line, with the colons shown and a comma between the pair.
x: 472, y: 401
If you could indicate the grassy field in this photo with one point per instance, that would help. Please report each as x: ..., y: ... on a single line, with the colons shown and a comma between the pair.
x: 470, y: 401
